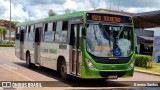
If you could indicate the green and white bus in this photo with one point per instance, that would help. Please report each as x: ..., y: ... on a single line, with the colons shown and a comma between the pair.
x: 85, y: 44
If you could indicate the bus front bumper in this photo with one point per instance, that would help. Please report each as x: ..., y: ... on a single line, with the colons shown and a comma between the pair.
x: 108, y: 74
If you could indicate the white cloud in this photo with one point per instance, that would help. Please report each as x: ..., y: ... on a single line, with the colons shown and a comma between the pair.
x: 138, y: 10
x: 37, y: 9
x: 4, y: 9
x: 17, y: 12
x: 70, y: 5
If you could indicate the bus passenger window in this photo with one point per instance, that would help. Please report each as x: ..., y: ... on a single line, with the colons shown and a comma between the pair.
x: 49, y: 33
x: 31, y: 33
x: 80, y: 36
x: 61, y: 31
x: 54, y: 26
x: 65, y: 26
x: 17, y: 33
x: 29, y: 29
x: 46, y: 27
x: 22, y: 35
x: 26, y: 33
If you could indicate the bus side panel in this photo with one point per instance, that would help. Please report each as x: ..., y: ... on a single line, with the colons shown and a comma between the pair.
x: 29, y: 46
x: 21, y: 51
x: 17, y: 48
x: 50, y: 53
x: 64, y: 50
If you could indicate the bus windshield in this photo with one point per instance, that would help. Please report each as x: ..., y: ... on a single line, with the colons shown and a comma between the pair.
x: 109, y: 40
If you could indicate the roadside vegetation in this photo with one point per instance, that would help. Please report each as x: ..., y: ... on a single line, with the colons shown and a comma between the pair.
x: 7, y: 41
x: 6, y: 44
x: 3, y: 32
x: 155, y: 68
x: 145, y: 63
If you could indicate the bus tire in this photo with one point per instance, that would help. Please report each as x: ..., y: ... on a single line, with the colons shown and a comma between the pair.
x: 63, y: 70
x: 28, y: 61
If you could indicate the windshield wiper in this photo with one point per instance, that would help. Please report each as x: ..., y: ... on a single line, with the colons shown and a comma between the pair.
x: 106, y: 32
x: 120, y: 32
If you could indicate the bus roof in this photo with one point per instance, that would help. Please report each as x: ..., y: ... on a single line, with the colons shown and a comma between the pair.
x: 57, y: 17
x: 109, y: 12
x: 64, y: 16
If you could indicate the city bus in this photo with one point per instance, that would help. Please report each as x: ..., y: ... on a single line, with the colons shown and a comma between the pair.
x: 85, y: 44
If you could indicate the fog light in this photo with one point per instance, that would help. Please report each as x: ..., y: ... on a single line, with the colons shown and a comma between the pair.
x: 90, y: 64
x: 131, y: 65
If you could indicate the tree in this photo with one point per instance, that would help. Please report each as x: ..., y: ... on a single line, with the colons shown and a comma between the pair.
x: 13, y: 27
x: 2, y: 31
x: 51, y: 13
x: 4, y: 34
x: 69, y: 10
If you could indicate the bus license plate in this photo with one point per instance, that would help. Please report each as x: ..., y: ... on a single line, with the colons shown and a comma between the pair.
x: 112, y: 77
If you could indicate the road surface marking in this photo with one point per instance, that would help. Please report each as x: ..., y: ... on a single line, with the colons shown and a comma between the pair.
x: 9, y: 66
x: 17, y: 73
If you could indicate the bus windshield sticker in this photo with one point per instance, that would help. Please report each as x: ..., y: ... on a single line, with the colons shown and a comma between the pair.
x: 117, y: 52
x: 102, y: 48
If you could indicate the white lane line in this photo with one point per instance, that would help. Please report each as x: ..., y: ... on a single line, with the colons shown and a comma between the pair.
x: 17, y: 73
x: 9, y: 66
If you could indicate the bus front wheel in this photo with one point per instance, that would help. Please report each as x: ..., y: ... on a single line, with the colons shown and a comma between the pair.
x: 63, y: 70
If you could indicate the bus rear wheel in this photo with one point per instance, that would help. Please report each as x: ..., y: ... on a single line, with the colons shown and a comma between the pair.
x: 28, y: 61
x: 63, y: 70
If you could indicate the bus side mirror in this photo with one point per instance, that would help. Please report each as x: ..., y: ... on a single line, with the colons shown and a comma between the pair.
x: 83, y: 31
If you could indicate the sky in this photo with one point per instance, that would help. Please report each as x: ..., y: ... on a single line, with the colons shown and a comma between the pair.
x: 23, y: 10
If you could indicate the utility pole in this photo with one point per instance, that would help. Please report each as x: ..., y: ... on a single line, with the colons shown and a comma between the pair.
x: 118, y: 4
x: 110, y: 4
x: 10, y: 24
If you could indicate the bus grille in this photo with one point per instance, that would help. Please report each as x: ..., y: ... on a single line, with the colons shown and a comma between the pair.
x: 107, y: 60
x: 106, y: 74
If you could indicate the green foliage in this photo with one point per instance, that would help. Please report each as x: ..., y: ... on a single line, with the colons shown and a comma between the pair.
x: 6, y: 45
x: 51, y: 13
x: 2, y: 28
x: 143, y: 61
x: 3, y: 32
x: 69, y: 11
x: 13, y: 25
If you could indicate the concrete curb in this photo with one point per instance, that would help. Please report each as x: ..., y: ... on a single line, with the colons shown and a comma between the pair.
x: 147, y: 72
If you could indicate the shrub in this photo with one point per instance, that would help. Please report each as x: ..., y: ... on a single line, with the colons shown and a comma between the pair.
x: 6, y: 45
x: 143, y: 61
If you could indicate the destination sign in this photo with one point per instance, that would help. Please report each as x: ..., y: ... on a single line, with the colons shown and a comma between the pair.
x: 108, y: 18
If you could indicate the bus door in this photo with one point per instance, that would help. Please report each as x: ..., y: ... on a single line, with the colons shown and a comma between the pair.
x: 76, y: 49
x: 21, y: 44
x: 37, y: 41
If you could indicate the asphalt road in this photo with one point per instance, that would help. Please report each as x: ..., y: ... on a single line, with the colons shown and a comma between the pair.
x: 13, y: 69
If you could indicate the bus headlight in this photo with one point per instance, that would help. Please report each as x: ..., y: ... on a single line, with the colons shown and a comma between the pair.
x: 131, y: 65
x: 90, y: 64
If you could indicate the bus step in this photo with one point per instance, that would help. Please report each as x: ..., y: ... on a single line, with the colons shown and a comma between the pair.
x: 38, y: 65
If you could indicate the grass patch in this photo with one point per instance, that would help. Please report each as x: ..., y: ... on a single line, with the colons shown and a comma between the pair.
x: 155, y: 68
